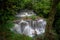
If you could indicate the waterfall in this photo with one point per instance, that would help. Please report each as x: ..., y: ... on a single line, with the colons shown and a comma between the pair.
x: 29, y: 27
x: 28, y: 31
x: 16, y: 28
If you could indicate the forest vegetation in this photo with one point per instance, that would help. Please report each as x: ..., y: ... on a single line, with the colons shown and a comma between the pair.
x: 49, y: 9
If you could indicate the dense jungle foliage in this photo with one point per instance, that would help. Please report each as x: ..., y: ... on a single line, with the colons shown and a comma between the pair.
x: 8, y: 9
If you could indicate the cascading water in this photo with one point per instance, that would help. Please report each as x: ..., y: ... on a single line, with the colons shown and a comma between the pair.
x: 28, y: 31
x: 29, y: 27
x: 41, y: 26
x: 16, y: 28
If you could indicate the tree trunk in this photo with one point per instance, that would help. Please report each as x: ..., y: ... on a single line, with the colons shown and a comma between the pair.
x: 50, y: 20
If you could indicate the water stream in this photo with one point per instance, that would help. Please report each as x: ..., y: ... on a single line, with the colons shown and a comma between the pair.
x: 29, y: 27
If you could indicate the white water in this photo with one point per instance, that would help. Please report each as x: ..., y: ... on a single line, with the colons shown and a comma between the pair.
x: 28, y: 31
x: 24, y: 27
x: 16, y: 28
x: 25, y: 14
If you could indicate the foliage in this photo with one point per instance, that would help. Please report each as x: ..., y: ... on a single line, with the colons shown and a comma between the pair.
x: 7, y: 34
x: 41, y: 7
x: 8, y: 9
x: 5, y: 27
x: 33, y: 17
x: 18, y: 37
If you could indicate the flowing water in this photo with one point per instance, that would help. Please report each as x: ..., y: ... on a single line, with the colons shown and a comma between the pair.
x: 29, y: 27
